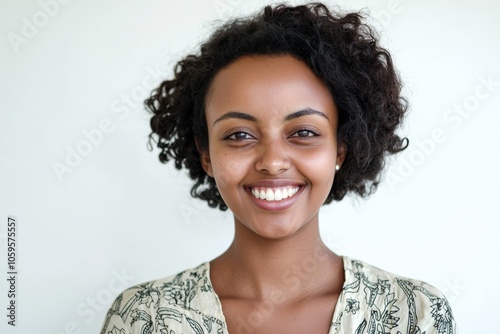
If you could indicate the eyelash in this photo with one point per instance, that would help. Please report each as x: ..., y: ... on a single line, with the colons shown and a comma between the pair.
x: 236, y: 133
x: 314, y: 133
x: 311, y: 133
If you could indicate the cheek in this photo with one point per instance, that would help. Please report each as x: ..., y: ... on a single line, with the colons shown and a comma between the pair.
x: 226, y: 172
x: 222, y: 178
x: 321, y: 166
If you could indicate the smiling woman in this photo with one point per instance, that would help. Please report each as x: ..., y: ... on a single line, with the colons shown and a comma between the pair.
x: 279, y: 114
x: 282, y: 138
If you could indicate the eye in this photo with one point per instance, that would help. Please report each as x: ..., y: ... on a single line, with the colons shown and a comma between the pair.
x: 304, y: 133
x: 240, y: 135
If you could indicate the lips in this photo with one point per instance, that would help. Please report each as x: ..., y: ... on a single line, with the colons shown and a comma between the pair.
x: 274, y: 193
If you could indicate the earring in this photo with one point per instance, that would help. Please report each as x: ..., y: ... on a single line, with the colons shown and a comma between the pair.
x: 337, y: 167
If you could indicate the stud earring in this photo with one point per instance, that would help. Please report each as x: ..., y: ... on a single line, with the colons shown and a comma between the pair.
x: 337, y: 167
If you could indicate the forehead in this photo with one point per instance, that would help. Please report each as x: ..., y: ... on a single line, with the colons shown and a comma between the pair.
x: 267, y: 85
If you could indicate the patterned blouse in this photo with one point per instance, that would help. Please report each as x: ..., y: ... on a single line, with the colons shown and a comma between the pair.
x: 372, y: 301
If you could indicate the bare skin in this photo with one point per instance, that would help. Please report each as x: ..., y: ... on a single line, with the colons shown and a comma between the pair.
x: 272, y: 128
x: 294, y: 291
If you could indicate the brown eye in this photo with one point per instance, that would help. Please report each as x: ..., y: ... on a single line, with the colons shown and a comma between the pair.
x: 240, y: 135
x: 305, y: 133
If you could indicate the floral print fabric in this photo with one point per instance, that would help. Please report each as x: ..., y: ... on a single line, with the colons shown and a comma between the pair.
x: 372, y: 301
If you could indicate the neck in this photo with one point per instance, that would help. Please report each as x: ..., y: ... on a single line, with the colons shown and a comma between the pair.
x: 299, y: 264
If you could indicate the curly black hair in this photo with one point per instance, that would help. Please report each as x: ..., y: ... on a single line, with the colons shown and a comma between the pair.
x: 340, y: 49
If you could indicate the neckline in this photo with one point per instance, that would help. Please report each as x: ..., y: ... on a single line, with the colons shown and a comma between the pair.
x: 338, y: 305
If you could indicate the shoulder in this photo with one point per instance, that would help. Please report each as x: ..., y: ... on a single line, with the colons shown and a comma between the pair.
x: 168, y: 287
x: 359, y: 272
x: 373, y: 297
x: 181, y: 301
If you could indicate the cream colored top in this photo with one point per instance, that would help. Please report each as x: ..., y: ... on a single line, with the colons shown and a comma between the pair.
x: 372, y: 301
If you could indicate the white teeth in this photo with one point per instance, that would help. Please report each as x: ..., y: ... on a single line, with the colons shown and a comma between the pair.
x: 262, y: 194
x: 284, y: 193
x: 277, y: 195
x: 269, y: 195
x: 274, y: 194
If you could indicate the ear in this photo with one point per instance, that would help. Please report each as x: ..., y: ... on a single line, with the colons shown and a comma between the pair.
x: 206, y: 164
x: 341, y: 153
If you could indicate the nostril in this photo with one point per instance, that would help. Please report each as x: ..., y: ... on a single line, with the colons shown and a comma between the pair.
x: 273, y: 160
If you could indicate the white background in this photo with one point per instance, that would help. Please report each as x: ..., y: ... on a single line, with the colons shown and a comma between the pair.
x: 120, y: 217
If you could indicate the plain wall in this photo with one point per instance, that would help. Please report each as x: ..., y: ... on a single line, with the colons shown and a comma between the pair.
x: 113, y: 216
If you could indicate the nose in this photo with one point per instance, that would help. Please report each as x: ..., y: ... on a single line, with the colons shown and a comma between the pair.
x: 272, y: 157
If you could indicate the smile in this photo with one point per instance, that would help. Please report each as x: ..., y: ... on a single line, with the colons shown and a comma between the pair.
x: 273, y: 194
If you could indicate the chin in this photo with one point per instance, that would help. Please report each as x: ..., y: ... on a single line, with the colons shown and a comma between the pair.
x: 275, y: 229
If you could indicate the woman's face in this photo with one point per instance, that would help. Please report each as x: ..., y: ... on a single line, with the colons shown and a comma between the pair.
x: 272, y: 143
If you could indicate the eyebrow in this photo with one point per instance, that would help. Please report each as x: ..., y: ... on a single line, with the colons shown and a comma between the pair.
x: 297, y: 114
x: 305, y: 112
x: 236, y: 114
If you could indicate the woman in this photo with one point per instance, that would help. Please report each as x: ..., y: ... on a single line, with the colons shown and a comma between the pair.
x: 278, y: 115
